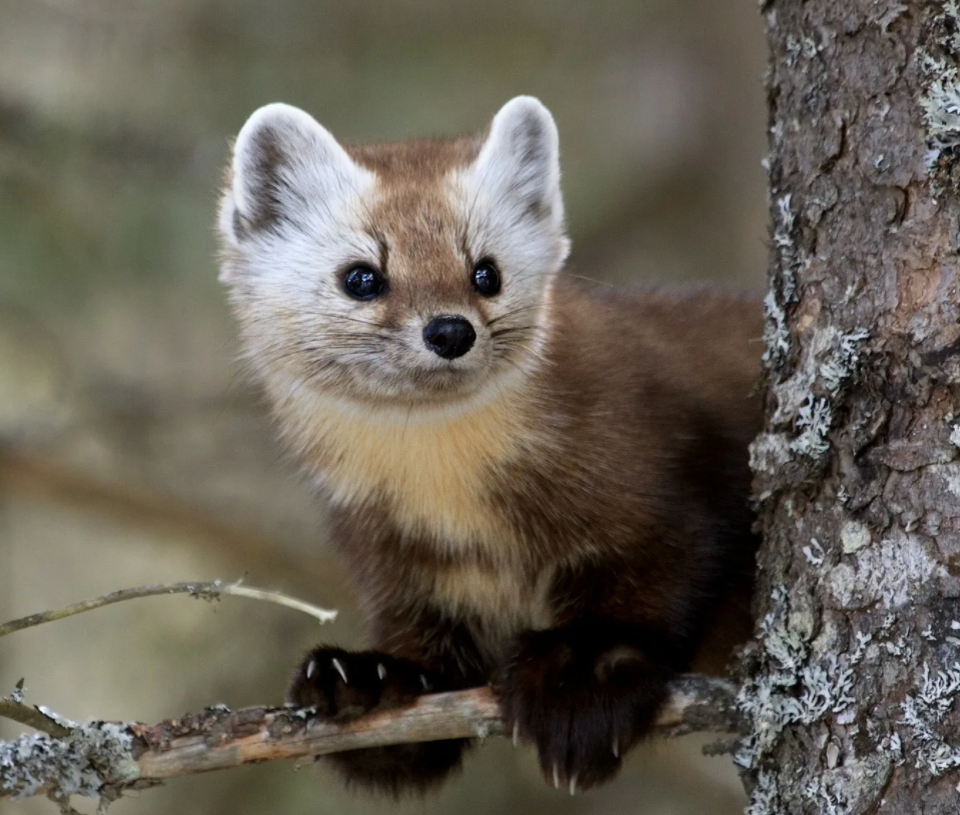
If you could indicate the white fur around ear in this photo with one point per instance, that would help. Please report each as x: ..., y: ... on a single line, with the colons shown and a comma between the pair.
x: 520, y: 160
x: 285, y: 164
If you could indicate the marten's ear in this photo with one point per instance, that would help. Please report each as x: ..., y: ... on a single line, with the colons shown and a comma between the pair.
x: 520, y: 161
x: 285, y: 167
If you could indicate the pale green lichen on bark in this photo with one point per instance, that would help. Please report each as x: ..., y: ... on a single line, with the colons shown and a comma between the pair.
x: 829, y: 362
x: 923, y: 710
x: 94, y: 754
x: 787, y: 688
x: 955, y: 435
x: 939, y: 63
x: 776, y: 334
x: 794, y: 687
x: 806, y: 401
x: 885, y: 574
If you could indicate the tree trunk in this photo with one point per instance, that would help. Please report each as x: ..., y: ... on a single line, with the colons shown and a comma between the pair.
x: 850, y: 687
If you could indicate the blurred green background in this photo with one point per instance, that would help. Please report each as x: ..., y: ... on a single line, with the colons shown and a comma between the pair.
x: 131, y: 448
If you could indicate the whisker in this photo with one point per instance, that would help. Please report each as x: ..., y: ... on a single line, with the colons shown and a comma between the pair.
x: 512, y: 313
x: 350, y: 319
x: 594, y: 280
x: 514, y: 329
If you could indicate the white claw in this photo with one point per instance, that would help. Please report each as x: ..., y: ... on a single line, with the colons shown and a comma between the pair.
x: 339, y: 667
x: 423, y: 681
x: 311, y: 668
x: 381, y: 671
x: 556, y: 777
x: 573, y: 784
x: 616, y: 749
x: 516, y: 733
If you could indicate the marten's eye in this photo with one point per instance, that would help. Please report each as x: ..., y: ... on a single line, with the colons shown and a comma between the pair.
x: 486, y: 278
x: 363, y: 282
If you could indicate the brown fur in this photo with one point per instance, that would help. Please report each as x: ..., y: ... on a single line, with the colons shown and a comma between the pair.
x: 425, y: 231
x: 415, y: 161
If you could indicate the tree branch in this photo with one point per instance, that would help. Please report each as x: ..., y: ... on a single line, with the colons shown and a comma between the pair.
x: 31, y: 717
x: 103, y: 758
x: 206, y: 591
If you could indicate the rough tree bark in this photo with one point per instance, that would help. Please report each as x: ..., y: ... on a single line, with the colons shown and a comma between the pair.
x: 851, y: 686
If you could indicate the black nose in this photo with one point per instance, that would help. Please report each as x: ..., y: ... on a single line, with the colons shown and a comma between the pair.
x: 449, y: 337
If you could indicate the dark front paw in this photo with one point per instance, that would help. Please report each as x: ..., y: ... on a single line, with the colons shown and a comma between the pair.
x: 584, y: 696
x: 344, y: 685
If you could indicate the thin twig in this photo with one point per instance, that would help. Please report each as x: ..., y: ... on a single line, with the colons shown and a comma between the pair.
x: 322, y: 614
x: 205, y: 590
x: 140, y: 755
x: 31, y: 717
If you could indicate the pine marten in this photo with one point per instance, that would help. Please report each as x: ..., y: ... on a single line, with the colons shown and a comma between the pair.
x: 537, y: 483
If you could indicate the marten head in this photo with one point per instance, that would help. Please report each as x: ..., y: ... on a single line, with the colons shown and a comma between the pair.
x: 408, y: 273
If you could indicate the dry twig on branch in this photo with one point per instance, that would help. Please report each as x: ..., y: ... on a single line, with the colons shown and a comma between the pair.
x: 202, y: 590
x: 104, y: 759
x: 17, y: 711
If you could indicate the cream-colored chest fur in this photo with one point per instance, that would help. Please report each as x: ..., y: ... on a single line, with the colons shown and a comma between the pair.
x: 433, y: 472
x: 500, y: 603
